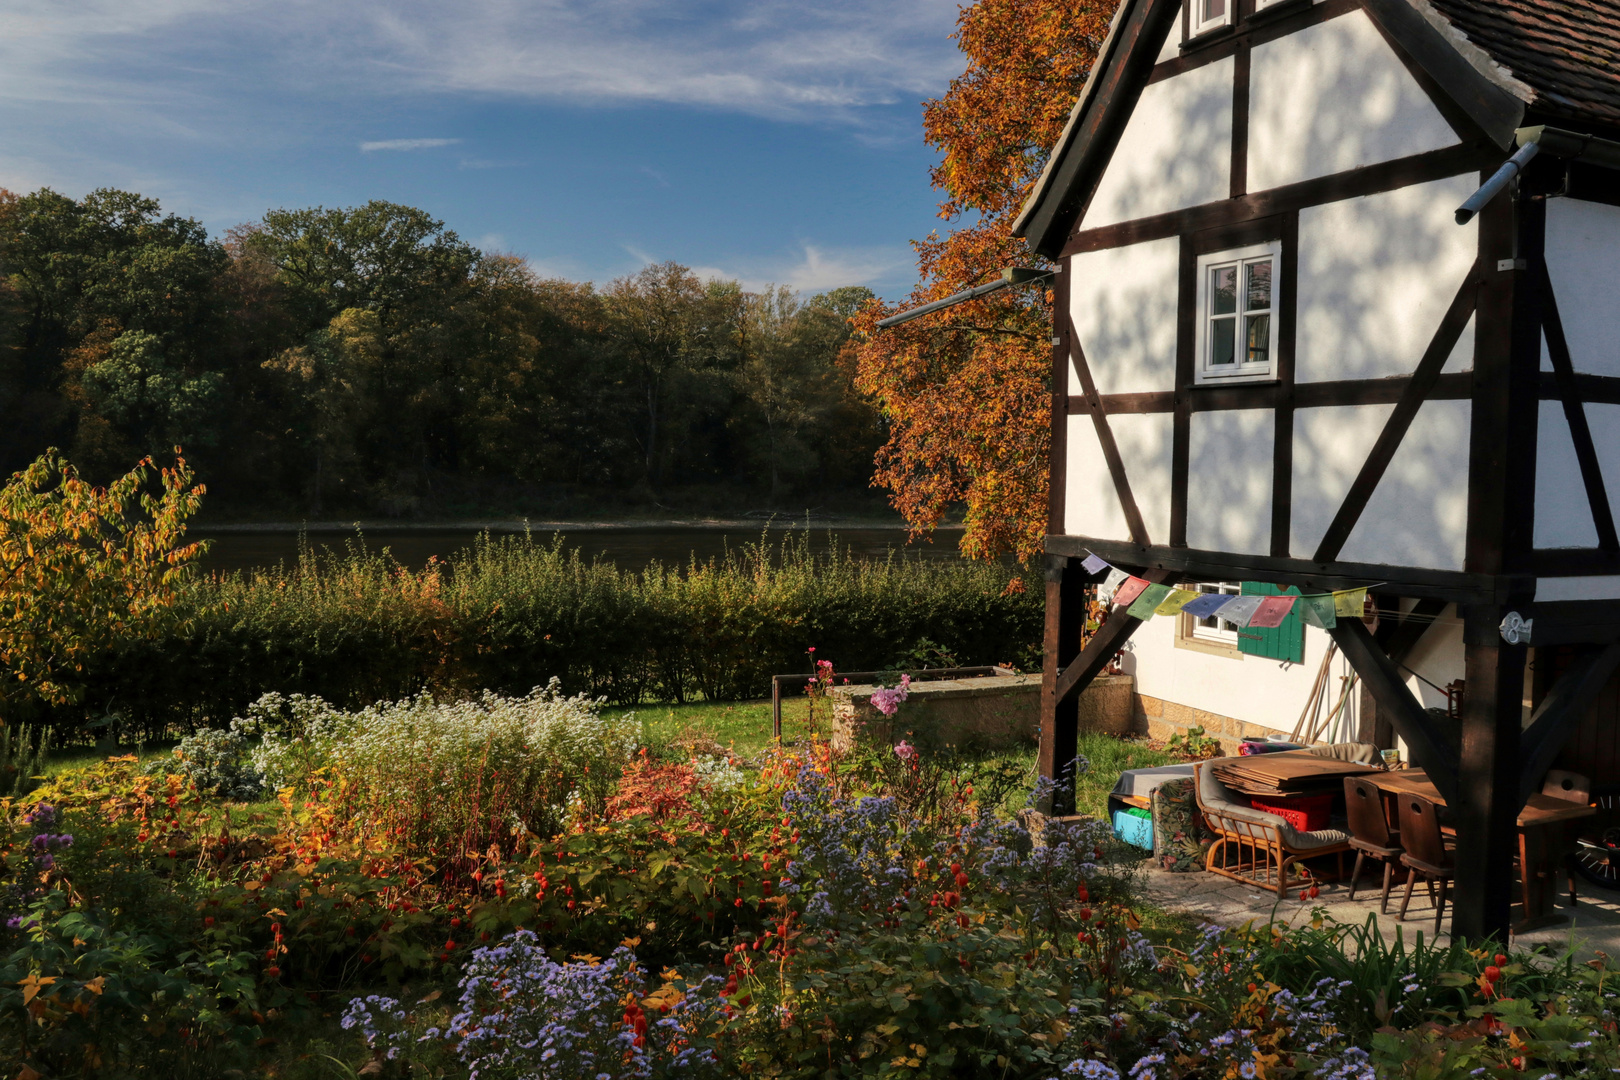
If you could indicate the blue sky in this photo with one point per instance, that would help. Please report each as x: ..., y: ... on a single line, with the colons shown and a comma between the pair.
x: 769, y: 141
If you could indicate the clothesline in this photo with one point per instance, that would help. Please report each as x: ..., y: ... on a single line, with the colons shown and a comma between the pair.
x: 1142, y: 600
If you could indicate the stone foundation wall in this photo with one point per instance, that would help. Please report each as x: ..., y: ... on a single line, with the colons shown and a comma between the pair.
x: 1160, y: 719
x: 986, y: 713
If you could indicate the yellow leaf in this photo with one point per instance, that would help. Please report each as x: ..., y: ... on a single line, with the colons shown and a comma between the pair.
x: 431, y: 997
x: 630, y: 942
x: 95, y: 984
x: 32, y: 983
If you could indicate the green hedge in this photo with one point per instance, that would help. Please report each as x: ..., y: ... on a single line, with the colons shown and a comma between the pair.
x: 510, y: 614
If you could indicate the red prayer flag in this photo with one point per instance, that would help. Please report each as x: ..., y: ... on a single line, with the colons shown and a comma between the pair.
x: 1129, y: 591
x: 1272, y: 611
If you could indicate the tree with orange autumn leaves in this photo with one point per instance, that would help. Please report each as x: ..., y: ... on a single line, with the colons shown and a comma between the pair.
x: 966, y: 390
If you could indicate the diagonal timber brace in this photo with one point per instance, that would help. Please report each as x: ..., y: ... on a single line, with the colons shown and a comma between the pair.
x: 1389, y: 690
x: 1110, y: 637
x: 1560, y: 712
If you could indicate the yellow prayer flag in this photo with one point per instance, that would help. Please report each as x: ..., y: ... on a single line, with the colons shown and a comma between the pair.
x: 1178, y: 599
x: 1349, y: 603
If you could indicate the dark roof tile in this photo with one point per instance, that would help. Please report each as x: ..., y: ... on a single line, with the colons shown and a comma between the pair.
x: 1567, y: 51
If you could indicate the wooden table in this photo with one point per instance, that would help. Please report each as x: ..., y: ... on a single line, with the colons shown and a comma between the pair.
x: 1539, y: 813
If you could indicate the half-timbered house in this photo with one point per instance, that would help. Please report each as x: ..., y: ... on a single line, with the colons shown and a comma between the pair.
x: 1279, y: 359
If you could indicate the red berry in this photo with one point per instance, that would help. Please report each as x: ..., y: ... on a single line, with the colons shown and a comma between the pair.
x: 1501, y: 960
x: 1492, y: 973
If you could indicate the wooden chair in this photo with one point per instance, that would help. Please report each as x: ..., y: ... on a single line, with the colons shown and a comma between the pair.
x: 1574, y: 788
x: 1370, y: 834
x: 1425, y: 852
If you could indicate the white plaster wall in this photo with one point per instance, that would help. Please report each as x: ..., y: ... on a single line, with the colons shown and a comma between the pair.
x: 1272, y: 693
x: 1266, y: 692
x: 1418, y: 513
x: 1091, y: 505
x: 1583, y: 258
x: 1123, y: 304
x: 1563, y: 513
x: 1334, y: 97
x: 1229, y: 480
x: 1578, y: 588
x: 1376, y: 276
x: 1330, y: 446
x: 1175, y: 152
x: 1172, y: 42
x: 1144, y: 445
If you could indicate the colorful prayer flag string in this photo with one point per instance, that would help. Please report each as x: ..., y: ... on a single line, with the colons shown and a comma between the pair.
x: 1142, y: 600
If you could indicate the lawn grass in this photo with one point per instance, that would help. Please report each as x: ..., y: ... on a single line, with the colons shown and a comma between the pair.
x: 1110, y: 756
x: 744, y: 726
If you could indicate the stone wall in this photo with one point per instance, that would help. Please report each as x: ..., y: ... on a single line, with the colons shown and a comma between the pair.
x: 992, y: 712
x: 1160, y: 719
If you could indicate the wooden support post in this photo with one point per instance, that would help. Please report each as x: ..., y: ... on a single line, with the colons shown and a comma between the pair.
x: 1501, y: 512
x: 1560, y: 712
x: 1486, y: 808
x: 1060, y: 718
x: 1397, y: 635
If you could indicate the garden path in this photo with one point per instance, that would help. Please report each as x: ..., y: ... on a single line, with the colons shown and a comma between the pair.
x: 1595, y: 925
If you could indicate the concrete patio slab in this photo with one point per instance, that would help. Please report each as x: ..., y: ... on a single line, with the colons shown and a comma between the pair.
x: 1592, y: 925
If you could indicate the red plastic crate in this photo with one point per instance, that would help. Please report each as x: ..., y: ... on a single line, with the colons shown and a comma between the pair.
x: 1306, y: 813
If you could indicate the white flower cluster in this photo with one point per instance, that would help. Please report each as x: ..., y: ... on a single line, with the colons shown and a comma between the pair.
x: 404, y: 750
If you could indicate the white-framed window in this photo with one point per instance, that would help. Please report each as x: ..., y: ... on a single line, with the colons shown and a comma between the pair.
x: 1261, y: 5
x: 1213, y: 630
x: 1237, y: 305
x: 1205, y: 15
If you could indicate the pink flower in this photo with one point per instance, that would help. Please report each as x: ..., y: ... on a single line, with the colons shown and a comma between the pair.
x: 887, y: 701
x: 905, y: 751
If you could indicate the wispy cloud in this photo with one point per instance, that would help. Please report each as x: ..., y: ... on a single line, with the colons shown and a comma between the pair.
x: 405, y: 144
x: 781, y: 58
x: 812, y: 269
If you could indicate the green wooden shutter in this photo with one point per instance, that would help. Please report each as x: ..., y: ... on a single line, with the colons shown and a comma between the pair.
x: 1285, y: 642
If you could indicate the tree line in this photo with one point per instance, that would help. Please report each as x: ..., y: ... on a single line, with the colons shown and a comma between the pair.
x: 368, y: 360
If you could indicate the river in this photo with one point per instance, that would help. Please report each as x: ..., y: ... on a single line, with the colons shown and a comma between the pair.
x: 629, y: 546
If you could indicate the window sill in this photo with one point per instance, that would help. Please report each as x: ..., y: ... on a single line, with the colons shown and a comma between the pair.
x: 1237, y: 380
x: 1200, y: 39
x: 1230, y: 652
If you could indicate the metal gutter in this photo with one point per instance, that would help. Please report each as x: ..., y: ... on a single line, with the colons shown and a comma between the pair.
x: 1570, y: 145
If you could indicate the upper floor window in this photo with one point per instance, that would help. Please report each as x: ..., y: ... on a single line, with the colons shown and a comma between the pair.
x: 1209, y: 14
x: 1236, y: 305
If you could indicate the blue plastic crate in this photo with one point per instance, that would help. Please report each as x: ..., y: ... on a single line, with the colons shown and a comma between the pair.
x: 1135, y: 827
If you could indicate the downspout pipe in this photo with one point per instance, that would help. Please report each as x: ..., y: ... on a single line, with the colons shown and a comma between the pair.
x: 1535, y: 140
x: 1013, y: 275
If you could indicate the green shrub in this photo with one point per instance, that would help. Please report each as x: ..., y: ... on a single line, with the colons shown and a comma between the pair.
x: 219, y: 762
x: 511, y: 614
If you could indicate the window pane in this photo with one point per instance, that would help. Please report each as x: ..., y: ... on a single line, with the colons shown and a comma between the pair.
x: 1223, y: 292
x: 1259, y: 339
x: 1259, y: 298
x: 1221, y: 349
x: 1214, y: 9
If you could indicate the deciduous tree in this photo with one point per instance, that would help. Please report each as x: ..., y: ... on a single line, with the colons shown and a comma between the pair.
x: 965, y: 391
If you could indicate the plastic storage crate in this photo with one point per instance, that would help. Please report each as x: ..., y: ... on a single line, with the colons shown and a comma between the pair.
x: 1134, y: 826
x: 1305, y: 813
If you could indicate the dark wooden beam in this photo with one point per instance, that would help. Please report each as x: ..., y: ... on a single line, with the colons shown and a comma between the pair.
x: 1109, y: 638
x: 1574, y: 622
x: 1454, y: 386
x: 1238, y: 169
x: 1405, y: 712
x: 1560, y: 713
x: 1199, y: 565
x: 1078, y: 161
x: 1065, y: 622
x: 1057, y: 457
x: 1406, y: 409
x: 1256, y: 29
x: 1282, y: 439
x: 1486, y: 804
x: 1580, y: 433
x: 1110, y: 449
x: 1501, y: 511
x: 1354, y: 183
x: 1592, y: 389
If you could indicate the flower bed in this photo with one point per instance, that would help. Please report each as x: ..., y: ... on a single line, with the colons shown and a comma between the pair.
x: 862, y: 914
